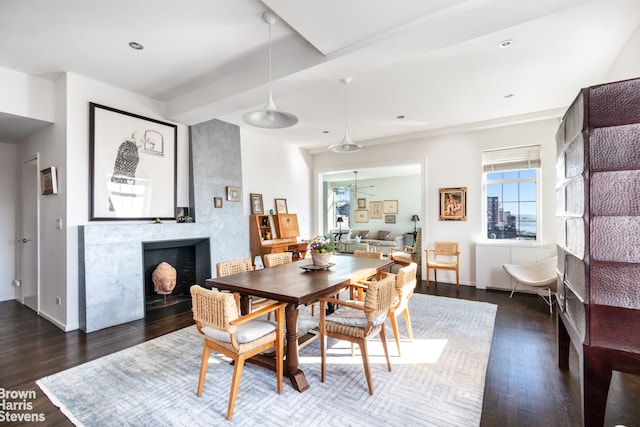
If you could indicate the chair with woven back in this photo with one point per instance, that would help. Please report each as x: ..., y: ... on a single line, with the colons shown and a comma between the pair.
x: 405, y: 284
x: 237, y: 337
x: 357, y: 322
x: 444, y: 256
x: 409, y: 254
x: 226, y: 268
x: 355, y: 292
x: 279, y: 258
x: 271, y: 260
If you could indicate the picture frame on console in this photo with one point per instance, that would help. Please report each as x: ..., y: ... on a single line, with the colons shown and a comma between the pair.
x: 132, y: 166
x: 257, y: 208
x: 453, y: 204
x: 281, y: 206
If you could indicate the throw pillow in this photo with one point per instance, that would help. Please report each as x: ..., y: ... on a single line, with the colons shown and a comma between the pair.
x: 383, y: 235
x: 363, y: 234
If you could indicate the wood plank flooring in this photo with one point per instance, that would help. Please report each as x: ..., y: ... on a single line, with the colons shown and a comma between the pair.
x: 523, y: 385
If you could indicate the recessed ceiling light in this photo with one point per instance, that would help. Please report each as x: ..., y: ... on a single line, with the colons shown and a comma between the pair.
x: 505, y: 43
x: 400, y: 117
x: 136, y: 45
x: 509, y: 95
x: 325, y: 131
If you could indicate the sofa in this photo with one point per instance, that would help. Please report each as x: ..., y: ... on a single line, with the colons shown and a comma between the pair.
x: 381, y: 240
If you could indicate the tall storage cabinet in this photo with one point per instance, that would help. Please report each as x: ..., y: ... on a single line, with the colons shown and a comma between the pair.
x: 598, y: 238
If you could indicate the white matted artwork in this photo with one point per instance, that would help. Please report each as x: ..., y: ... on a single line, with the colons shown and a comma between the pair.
x: 362, y: 215
x: 132, y: 166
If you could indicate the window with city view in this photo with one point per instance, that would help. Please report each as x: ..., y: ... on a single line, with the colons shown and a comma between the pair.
x: 510, y: 187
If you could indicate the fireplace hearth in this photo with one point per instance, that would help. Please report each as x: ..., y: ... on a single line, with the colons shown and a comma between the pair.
x: 190, y: 258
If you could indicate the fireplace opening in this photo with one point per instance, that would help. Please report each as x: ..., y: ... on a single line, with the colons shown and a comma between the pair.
x: 191, y: 259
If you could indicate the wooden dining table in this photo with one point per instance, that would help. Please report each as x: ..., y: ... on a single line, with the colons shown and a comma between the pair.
x: 298, y: 284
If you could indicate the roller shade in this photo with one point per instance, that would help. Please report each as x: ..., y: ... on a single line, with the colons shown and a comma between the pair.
x: 504, y: 159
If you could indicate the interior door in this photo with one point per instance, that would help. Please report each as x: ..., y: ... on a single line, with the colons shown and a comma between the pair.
x: 28, y: 241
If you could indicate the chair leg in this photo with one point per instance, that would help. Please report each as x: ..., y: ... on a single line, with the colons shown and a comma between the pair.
x: 407, y: 320
x: 383, y: 338
x: 365, y: 363
x: 457, y: 279
x: 323, y: 343
x: 204, y: 363
x: 235, y: 383
x: 396, y: 332
x: 279, y: 349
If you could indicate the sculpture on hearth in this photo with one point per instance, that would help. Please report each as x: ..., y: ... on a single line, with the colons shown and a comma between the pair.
x: 164, y: 280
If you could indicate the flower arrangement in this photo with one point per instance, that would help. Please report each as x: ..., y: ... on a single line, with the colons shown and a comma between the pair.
x: 320, y: 245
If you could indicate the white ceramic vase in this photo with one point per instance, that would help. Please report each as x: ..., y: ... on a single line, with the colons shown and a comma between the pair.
x: 321, y: 259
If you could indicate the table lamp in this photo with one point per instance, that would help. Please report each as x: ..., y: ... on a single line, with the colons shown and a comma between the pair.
x: 340, y: 221
x: 415, y: 218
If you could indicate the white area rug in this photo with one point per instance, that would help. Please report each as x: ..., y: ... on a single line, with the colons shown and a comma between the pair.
x: 438, y: 381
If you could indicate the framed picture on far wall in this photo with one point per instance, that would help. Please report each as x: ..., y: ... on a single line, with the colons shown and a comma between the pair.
x: 453, y: 204
x: 362, y: 215
x: 390, y: 206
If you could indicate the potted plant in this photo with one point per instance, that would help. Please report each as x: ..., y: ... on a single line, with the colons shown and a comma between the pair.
x: 321, y: 250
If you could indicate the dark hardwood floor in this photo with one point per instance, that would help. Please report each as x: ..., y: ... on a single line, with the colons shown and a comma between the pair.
x: 523, y: 385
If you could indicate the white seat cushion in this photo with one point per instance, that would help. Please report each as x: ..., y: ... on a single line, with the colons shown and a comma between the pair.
x: 246, y: 332
x: 348, y: 316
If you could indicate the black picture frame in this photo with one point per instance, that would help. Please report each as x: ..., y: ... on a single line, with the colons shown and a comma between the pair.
x: 132, y: 166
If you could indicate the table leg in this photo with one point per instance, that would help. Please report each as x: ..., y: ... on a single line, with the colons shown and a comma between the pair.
x: 298, y: 380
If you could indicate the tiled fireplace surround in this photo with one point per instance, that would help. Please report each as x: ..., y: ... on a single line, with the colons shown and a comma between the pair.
x: 111, y: 253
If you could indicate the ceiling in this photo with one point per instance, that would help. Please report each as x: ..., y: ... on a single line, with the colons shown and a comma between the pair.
x: 435, y: 62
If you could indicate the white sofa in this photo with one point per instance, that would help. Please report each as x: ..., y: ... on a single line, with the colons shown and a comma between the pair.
x: 380, y: 240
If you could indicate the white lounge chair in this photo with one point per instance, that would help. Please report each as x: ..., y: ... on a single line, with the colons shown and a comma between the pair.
x: 540, y: 275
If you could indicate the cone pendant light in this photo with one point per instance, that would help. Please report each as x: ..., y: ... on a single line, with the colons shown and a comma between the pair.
x: 270, y: 117
x: 346, y: 145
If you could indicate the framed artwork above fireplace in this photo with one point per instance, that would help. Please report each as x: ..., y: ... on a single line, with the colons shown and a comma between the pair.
x: 132, y: 170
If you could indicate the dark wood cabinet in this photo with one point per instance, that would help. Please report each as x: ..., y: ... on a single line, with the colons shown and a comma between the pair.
x: 276, y: 233
x: 598, y: 238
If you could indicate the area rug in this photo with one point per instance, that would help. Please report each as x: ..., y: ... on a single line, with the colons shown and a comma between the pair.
x: 438, y: 380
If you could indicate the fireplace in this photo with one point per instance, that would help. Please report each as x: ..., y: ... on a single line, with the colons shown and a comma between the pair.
x: 190, y: 258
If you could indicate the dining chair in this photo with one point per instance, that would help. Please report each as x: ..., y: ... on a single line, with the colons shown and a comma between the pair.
x: 405, y: 284
x: 237, y: 337
x: 406, y: 281
x: 226, y: 268
x: 444, y: 256
x: 408, y: 254
x: 355, y: 291
x: 357, y: 322
x: 279, y: 258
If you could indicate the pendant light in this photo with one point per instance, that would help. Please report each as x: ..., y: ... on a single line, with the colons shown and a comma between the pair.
x: 346, y: 145
x: 270, y: 117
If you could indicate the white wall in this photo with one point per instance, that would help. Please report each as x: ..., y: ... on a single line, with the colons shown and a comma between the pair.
x: 277, y: 171
x: 454, y: 160
x: 8, y: 225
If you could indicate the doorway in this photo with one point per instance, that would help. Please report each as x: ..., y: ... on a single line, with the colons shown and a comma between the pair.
x: 29, y: 232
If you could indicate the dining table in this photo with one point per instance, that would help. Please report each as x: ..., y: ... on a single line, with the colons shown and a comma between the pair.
x: 297, y: 284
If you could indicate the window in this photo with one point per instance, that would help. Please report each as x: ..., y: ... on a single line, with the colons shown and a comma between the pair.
x: 341, y: 206
x: 511, y: 192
